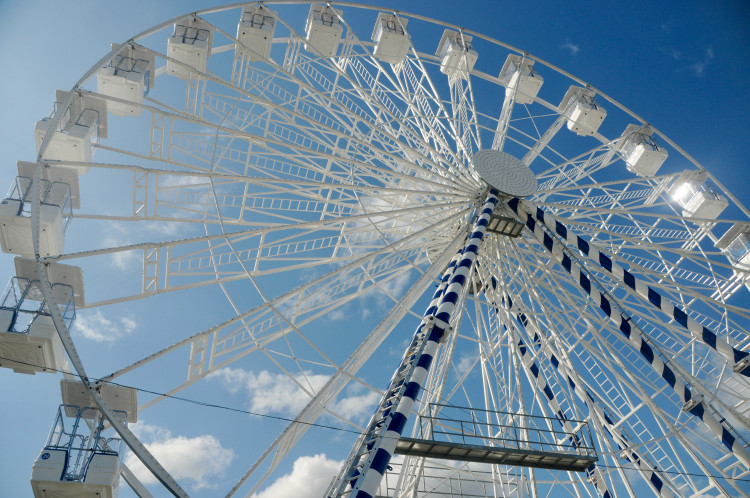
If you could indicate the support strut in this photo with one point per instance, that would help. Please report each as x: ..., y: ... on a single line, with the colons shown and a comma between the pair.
x: 368, y: 460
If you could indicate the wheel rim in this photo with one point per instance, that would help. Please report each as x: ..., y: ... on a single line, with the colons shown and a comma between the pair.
x: 375, y: 211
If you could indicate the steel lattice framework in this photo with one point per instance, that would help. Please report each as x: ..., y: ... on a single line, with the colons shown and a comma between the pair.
x: 302, y: 188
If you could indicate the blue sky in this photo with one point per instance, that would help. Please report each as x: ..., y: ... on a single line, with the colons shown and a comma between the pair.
x: 683, y: 66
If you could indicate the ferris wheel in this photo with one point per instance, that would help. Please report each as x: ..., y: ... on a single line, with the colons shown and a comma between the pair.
x: 446, y: 264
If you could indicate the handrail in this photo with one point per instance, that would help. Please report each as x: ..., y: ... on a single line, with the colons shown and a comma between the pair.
x: 504, y: 429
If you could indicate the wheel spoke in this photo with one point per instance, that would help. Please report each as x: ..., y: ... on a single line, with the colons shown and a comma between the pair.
x: 265, y: 219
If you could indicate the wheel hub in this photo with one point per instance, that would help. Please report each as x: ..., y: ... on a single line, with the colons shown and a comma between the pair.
x: 504, y: 172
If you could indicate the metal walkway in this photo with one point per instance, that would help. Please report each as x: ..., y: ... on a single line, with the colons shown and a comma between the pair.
x: 493, y: 454
x: 467, y: 434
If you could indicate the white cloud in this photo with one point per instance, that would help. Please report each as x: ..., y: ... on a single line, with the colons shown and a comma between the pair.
x: 668, y: 26
x: 197, y: 459
x: 122, y: 260
x: 128, y: 324
x: 464, y: 363
x: 699, y: 67
x: 97, y: 327
x: 181, y: 180
x: 149, y: 432
x: 164, y: 228
x: 309, y: 478
x: 573, y: 48
x: 672, y: 52
x: 384, y: 290
x: 272, y: 392
x: 396, y: 286
x: 357, y: 404
x: 277, y: 393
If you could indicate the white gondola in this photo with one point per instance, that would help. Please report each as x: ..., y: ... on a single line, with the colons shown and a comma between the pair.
x: 584, y: 114
x: 54, y: 216
x: 79, y: 459
x: 67, y: 276
x: 518, y: 75
x: 120, y: 398
x: 739, y: 250
x: 312, y: 188
x: 735, y: 244
x: 59, y: 174
x: 642, y: 155
x: 129, y: 76
x: 698, y: 197
x: 456, y: 53
x: 255, y: 33
x: 28, y: 338
x: 188, y: 48
x: 392, y: 41
x: 323, y: 30
x: 79, y: 130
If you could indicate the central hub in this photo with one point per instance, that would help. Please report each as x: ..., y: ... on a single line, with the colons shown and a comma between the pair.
x: 505, y: 173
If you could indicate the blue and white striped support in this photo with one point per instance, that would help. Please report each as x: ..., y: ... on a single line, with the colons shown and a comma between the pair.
x: 635, y: 337
x: 373, y: 452
x: 650, y: 474
x: 738, y: 360
x: 351, y: 470
x: 593, y: 471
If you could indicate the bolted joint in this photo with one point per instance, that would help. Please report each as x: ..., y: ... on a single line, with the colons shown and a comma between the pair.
x: 692, y: 403
x: 741, y: 365
x: 447, y: 332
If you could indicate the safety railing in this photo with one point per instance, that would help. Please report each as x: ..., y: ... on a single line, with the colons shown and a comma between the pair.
x: 507, y: 430
x: 23, y: 301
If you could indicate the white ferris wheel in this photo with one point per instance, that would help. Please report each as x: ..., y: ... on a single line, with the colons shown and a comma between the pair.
x: 450, y: 266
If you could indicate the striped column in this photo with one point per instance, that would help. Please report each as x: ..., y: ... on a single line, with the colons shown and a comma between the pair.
x: 372, y: 453
x: 649, y: 472
x: 635, y: 337
x: 738, y: 360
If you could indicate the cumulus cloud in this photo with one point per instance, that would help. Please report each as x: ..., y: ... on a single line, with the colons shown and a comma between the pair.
x: 272, y: 392
x: 336, y: 315
x: 571, y: 47
x: 196, y: 460
x: 699, y: 67
x: 669, y: 26
x: 695, y: 63
x: 122, y: 260
x: 164, y: 229
x: 465, y: 361
x: 309, y: 478
x: 277, y: 393
x: 116, y: 235
x: 672, y: 52
x: 181, y: 180
x: 392, y: 288
x: 396, y: 286
x: 357, y: 403
x: 97, y: 327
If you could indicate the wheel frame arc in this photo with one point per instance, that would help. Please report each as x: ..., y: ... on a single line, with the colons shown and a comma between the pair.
x: 42, y: 261
x: 62, y: 330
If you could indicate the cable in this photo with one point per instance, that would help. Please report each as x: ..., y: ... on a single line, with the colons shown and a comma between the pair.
x: 188, y: 400
x: 238, y: 410
x: 323, y: 426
